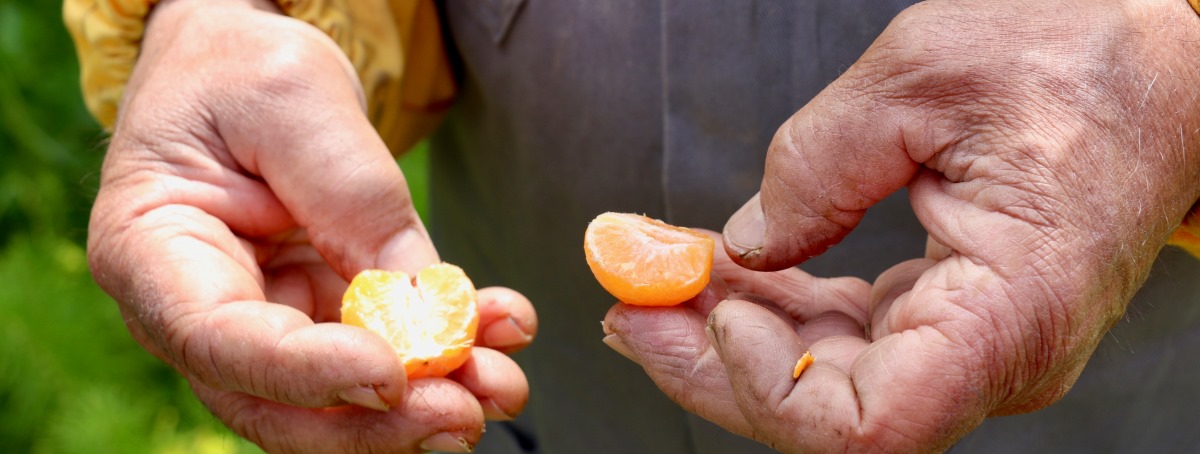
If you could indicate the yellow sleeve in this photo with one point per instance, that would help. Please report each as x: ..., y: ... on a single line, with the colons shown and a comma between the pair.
x: 1187, y: 235
x: 395, y: 45
x: 106, y: 35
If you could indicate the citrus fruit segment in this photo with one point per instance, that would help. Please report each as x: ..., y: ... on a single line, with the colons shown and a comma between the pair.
x: 801, y: 364
x: 429, y: 321
x: 647, y: 262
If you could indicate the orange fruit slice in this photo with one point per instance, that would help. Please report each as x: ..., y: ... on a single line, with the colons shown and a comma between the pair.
x: 430, y: 321
x: 647, y: 262
x: 805, y: 360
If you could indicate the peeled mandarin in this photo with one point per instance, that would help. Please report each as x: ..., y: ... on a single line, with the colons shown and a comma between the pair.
x: 429, y: 321
x: 647, y: 262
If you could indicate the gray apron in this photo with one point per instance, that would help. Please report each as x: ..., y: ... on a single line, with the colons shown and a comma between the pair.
x: 570, y: 108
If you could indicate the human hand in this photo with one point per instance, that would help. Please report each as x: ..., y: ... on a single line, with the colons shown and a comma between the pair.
x: 1049, y: 149
x: 243, y: 186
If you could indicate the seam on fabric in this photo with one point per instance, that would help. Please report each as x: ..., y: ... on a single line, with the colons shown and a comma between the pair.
x: 664, y: 178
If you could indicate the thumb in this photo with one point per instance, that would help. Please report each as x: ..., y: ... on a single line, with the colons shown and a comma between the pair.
x: 837, y: 156
x: 309, y: 138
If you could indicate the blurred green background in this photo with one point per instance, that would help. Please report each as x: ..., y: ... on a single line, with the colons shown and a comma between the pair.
x: 71, y: 377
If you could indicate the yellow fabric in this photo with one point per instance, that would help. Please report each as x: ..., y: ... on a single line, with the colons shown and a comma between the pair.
x: 395, y: 46
x: 106, y: 35
x: 1187, y: 235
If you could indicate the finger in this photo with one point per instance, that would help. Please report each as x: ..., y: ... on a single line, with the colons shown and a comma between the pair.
x: 841, y: 153
x: 759, y: 351
x: 184, y: 278
x: 272, y: 351
x: 893, y: 283
x: 296, y: 275
x: 935, y: 250
x: 947, y: 349
x: 922, y: 386
x: 810, y: 329
x: 300, y: 124
x: 837, y: 351
x: 1012, y: 331
x: 507, y: 320
x: 708, y: 298
x: 313, y: 289
x: 496, y: 381
x: 800, y: 294
x: 828, y: 325
x: 679, y: 356
x: 672, y: 347
x: 803, y: 296
x: 436, y: 414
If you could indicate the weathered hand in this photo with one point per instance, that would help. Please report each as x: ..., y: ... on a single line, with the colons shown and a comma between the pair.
x: 243, y: 186
x: 777, y: 317
x: 1049, y: 149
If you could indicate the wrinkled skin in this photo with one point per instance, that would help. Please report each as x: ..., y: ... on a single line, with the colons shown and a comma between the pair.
x: 1049, y: 149
x: 242, y: 188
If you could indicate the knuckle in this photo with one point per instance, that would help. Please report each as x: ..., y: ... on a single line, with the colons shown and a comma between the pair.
x: 188, y: 347
x: 287, y: 68
x: 230, y: 65
x: 272, y: 58
x: 290, y: 61
x: 253, y: 423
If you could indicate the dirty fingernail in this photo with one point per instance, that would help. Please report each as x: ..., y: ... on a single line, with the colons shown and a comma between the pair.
x: 604, y: 325
x: 364, y: 396
x: 746, y: 229
x: 446, y: 442
x: 614, y: 342
x: 712, y: 335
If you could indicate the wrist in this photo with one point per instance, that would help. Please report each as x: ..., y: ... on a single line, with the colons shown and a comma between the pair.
x: 1168, y: 32
x: 170, y: 15
x: 108, y: 35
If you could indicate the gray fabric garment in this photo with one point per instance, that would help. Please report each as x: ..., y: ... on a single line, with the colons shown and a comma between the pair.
x: 570, y: 108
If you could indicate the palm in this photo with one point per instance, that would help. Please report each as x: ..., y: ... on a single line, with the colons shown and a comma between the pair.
x: 295, y: 274
x: 826, y: 316
x: 883, y: 351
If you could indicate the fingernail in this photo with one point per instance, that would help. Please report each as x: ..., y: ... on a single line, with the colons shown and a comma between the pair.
x: 507, y: 333
x: 446, y: 442
x: 614, y: 342
x: 364, y: 396
x: 712, y: 335
x: 408, y: 251
x: 493, y: 412
x: 746, y: 228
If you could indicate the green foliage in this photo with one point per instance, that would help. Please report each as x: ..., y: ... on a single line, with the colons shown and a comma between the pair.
x: 415, y: 165
x: 52, y: 147
x: 71, y: 377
